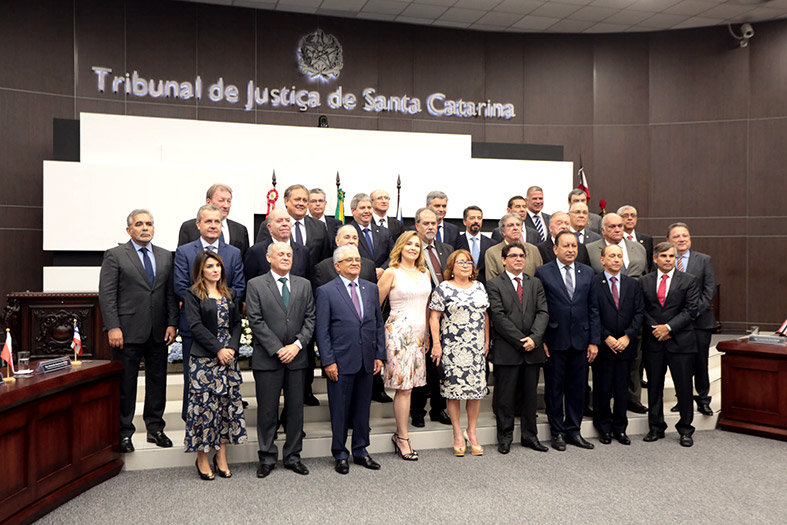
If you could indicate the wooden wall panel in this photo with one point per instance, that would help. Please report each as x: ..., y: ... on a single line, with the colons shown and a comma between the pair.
x: 576, y: 141
x: 505, y: 74
x: 620, y: 154
x: 100, y: 38
x: 621, y: 79
x: 768, y: 68
x: 767, y: 280
x: 395, y: 51
x: 767, y: 172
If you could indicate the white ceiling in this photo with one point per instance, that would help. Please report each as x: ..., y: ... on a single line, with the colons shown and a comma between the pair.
x: 538, y: 16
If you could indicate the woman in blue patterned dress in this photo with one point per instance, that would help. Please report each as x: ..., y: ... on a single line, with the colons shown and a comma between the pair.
x: 214, y: 415
x: 459, y: 325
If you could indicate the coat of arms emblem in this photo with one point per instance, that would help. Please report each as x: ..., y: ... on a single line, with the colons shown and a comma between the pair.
x: 320, y: 56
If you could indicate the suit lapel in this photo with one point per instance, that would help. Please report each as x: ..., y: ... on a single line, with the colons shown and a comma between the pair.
x: 608, y: 294
x: 509, y: 288
x: 555, y: 268
x: 345, y: 295
x: 132, y: 255
x: 274, y: 289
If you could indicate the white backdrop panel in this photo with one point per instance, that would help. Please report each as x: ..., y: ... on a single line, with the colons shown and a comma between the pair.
x: 71, y: 278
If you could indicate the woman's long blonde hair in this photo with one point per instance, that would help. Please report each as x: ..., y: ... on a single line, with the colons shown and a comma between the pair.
x: 396, y: 253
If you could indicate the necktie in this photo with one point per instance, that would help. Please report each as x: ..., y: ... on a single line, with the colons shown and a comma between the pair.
x: 148, y: 265
x: 662, y: 293
x: 539, y: 227
x: 569, y: 281
x: 439, y: 236
x: 356, y: 299
x: 615, y: 295
x: 298, y: 234
x: 681, y: 268
x: 211, y: 248
x: 368, y: 235
x: 474, y: 250
x: 519, y: 292
x: 382, y: 222
x: 285, y: 292
x: 631, y: 237
x: 579, y: 238
x: 438, y: 270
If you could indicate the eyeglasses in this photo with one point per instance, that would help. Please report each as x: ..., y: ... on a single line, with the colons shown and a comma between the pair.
x: 464, y: 263
x: 351, y: 260
x: 577, y: 212
x: 515, y: 256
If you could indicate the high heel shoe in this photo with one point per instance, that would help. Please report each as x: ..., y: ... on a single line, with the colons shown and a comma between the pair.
x: 203, y: 477
x: 410, y: 456
x: 460, y: 451
x: 476, y: 450
x: 222, y: 473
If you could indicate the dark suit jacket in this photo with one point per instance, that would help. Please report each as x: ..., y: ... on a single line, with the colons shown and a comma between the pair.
x: 256, y: 261
x: 395, y: 226
x: 589, y: 236
x: 679, y: 311
x: 239, y: 235
x: 325, y: 272
x: 647, y: 242
x: 619, y: 321
x: 342, y: 337
x: 547, y: 251
x: 545, y: 218
x: 513, y: 321
x: 184, y: 262
x: 700, y: 266
x: 573, y: 322
x: 129, y: 302
x: 331, y: 226
x: 463, y: 243
x: 275, y: 326
x: 316, y: 238
x: 444, y: 251
x: 202, y: 319
x: 531, y: 236
x: 450, y: 234
x: 382, y: 240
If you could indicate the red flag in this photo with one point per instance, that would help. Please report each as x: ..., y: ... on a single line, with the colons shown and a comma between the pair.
x: 7, y: 355
x: 76, y: 344
x: 583, y: 181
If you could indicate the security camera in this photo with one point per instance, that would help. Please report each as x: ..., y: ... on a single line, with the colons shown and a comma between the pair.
x: 747, y: 31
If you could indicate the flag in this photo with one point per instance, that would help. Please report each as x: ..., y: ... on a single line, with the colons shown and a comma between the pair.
x: 7, y: 355
x: 339, y: 213
x: 583, y: 181
x: 76, y: 344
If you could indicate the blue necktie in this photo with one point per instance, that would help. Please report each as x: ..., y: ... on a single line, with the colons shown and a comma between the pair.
x: 148, y: 265
x: 369, y: 241
x: 539, y: 227
x: 474, y: 250
x: 298, y: 234
x: 439, y: 237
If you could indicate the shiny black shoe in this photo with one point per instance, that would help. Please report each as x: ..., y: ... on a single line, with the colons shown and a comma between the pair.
x: 637, y: 407
x: 263, y: 469
x: 504, y: 448
x: 705, y: 410
x: 559, y: 442
x: 441, y: 417
x: 653, y: 435
x: 535, y: 444
x: 686, y: 441
x: 204, y: 477
x: 622, y: 438
x: 341, y: 466
x: 382, y: 397
x: 245, y: 404
x: 298, y: 468
x: 160, y: 439
x: 222, y: 473
x: 367, y: 462
x: 418, y: 421
x: 605, y: 438
x: 578, y: 441
x: 674, y: 409
x: 126, y: 445
x: 310, y: 400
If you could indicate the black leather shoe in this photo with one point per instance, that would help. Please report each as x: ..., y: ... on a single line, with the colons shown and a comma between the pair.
x: 559, y: 442
x: 605, y: 438
x: 367, y: 462
x: 579, y: 441
x: 653, y: 435
x: 622, y: 438
x: 310, y: 401
x: 298, y: 468
x: 504, y: 448
x: 245, y: 404
x: 674, y: 409
x: 342, y: 467
x: 686, y: 441
x: 418, y: 421
x: 705, y: 410
x: 535, y: 444
x: 382, y: 397
x: 637, y: 407
x: 263, y: 469
x: 644, y: 384
x: 126, y: 445
x: 588, y: 412
x: 160, y: 439
x: 441, y: 417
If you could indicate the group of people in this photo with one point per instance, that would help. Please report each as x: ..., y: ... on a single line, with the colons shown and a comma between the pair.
x: 419, y: 311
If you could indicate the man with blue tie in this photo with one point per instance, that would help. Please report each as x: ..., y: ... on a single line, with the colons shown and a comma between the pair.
x: 571, y: 340
x: 351, y: 340
x: 209, y: 226
x: 473, y: 241
x: 374, y: 242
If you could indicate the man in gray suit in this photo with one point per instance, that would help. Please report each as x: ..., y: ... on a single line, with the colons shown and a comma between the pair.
x: 140, y: 317
x: 280, y: 308
x: 578, y: 217
x: 594, y: 219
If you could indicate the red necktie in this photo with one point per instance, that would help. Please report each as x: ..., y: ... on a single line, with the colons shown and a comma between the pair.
x: 631, y: 237
x: 615, y: 295
x: 518, y: 288
x: 662, y: 293
x: 438, y: 270
x: 680, y: 264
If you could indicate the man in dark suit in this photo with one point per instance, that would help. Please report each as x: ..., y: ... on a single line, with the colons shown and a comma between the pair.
x: 317, y: 202
x: 381, y: 202
x: 232, y: 232
x: 473, y: 241
x: 374, y: 242
x: 140, y: 317
x: 699, y: 265
x: 209, y: 226
x: 558, y: 222
x: 519, y: 316
x: 517, y: 204
x: 620, y: 311
x: 571, y: 340
x: 671, y: 298
x: 446, y: 233
x: 535, y: 218
x: 280, y: 228
x: 629, y: 215
x: 351, y: 339
x: 306, y: 230
x: 280, y: 308
x: 594, y: 219
x: 436, y: 255
x: 578, y: 215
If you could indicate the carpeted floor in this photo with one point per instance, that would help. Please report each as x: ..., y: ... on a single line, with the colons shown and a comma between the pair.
x: 724, y: 478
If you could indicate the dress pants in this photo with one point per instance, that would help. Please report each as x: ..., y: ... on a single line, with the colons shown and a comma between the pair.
x: 680, y: 366
x: 349, y: 399
x: 509, y: 399
x: 566, y: 381
x: 431, y: 390
x: 311, y: 358
x: 269, y: 384
x: 155, y: 355
x: 185, y: 342
x: 635, y: 374
x: 701, y: 379
x: 610, y: 382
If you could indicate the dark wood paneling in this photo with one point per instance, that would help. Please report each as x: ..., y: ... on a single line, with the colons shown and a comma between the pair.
x: 22, y: 217
x: 696, y: 169
x: 395, y: 56
x: 100, y: 40
x: 23, y: 271
x: 697, y: 75
x: 769, y: 70
x: 504, y: 73
x: 147, y: 109
x: 621, y: 154
x: 286, y: 118
x: 621, y: 79
x: 503, y: 133
x: 36, y: 38
x: 395, y: 124
x: 451, y: 126
x: 86, y: 105
x: 226, y: 115
x: 767, y: 280
x: 768, y: 226
x: 700, y: 227
x: 728, y: 259
x: 768, y: 157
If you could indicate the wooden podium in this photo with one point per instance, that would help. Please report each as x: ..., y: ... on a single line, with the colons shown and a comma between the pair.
x: 59, y: 436
x: 754, y: 389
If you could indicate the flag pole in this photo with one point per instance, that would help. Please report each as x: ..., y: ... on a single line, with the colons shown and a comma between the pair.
x: 8, y: 377
x: 398, y: 194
